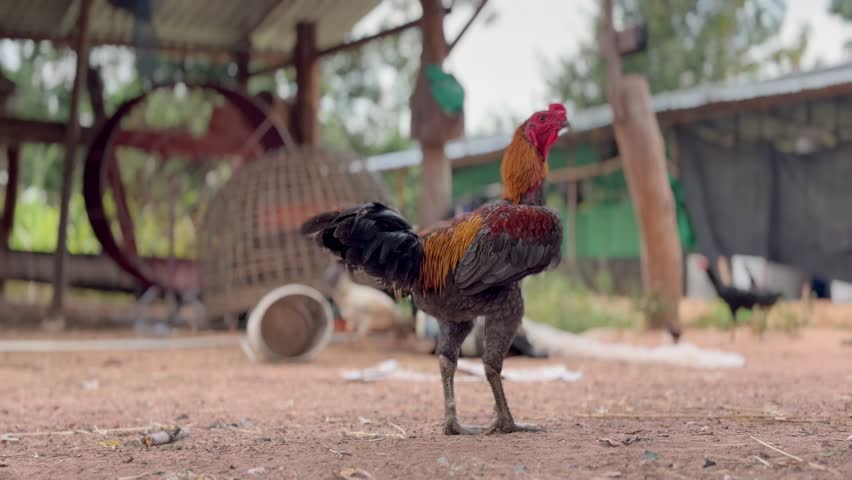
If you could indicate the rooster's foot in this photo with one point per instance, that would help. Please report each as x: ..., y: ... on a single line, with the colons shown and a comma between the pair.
x: 453, y: 427
x: 512, y: 427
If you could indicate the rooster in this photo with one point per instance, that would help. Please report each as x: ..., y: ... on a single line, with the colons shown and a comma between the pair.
x: 467, y: 267
x: 737, y: 298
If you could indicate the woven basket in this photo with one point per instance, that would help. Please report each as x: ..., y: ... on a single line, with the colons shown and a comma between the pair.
x: 250, y: 239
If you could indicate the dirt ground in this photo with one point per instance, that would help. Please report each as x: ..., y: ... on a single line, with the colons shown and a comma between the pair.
x: 290, y: 421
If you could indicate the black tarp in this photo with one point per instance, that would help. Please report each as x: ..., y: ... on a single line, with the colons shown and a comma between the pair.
x: 748, y: 196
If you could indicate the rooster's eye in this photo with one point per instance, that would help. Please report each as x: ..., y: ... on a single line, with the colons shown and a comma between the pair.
x: 541, y: 118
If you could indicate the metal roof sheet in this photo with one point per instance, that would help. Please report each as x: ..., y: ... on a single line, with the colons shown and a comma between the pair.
x: 264, y: 26
x: 601, y: 116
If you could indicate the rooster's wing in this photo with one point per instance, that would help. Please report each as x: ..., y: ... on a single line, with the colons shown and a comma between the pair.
x: 515, y: 241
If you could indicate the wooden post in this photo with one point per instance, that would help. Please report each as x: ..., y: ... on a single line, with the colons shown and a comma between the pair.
x: 573, y: 193
x: 401, y: 177
x: 72, y: 136
x: 436, y: 177
x: 243, y: 59
x: 640, y: 145
x: 306, y: 61
x: 7, y: 222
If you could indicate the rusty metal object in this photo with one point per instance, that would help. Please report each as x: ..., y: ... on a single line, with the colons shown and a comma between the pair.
x: 98, y: 160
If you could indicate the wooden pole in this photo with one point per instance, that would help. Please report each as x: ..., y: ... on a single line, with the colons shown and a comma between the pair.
x: 7, y: 222
x: 573, y: 193
x: 72, y: 135
x: 436, y: 178
x: 243, y: 74
x: 306, y: 125
x: 401, y: 176
x: 640, y: 145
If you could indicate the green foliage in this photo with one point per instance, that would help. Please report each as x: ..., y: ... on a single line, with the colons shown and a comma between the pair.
x: 843, y: 8
x: 556, y: 299
x: 689, y: 43
x: 365, y: 91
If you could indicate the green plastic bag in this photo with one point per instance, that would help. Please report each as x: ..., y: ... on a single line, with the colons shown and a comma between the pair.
x: 445, y: 89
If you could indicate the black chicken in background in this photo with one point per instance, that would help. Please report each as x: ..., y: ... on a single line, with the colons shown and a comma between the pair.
x: 738, y: 298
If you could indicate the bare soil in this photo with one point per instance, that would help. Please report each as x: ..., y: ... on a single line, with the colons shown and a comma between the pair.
x: 290, y: 420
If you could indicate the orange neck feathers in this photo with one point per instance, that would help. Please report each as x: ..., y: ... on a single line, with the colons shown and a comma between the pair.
x: 523, y: 168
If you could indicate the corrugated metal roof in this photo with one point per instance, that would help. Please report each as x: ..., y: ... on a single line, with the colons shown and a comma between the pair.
x: 226, y: 25
x: 601, y: 116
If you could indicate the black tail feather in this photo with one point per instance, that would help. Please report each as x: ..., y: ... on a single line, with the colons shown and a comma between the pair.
x: 374, y: 238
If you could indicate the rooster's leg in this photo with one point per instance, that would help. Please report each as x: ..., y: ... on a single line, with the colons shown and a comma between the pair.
x: 499, y: 332
x: 452, y: 334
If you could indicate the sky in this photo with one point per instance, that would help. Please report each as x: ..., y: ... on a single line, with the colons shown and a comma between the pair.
x: 502, y: 64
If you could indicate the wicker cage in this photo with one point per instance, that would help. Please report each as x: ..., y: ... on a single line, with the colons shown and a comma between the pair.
x: 250, y: 240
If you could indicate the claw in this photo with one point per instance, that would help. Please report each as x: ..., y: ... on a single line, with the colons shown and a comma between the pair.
x: 453, y: 427
x: 512, y: 427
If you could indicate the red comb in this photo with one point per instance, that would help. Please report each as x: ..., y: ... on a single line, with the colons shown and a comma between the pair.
x: 556, y: 107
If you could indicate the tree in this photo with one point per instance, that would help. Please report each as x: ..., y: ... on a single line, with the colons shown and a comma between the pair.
x: 843, y: 8
x: 689, y: 43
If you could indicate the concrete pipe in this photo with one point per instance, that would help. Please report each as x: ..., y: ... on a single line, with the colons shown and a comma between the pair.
x: 292, y: 323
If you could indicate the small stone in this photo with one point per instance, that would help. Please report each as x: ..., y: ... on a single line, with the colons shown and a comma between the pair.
x: 256, y: 470
x: 443, y: 461
x: 520, y: 468
x: 649, y: 456
x: 93, y: 384
x: 246, y: 423
x: 708, y: 463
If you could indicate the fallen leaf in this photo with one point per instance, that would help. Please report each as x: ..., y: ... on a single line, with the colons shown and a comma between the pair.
x: 354, y: 474
x: 364, y: 435
x: 256, y: 470
x: 609, y: 442
x: 113, y: 444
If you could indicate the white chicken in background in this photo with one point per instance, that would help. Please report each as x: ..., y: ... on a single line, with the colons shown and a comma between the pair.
x: 366, y: 309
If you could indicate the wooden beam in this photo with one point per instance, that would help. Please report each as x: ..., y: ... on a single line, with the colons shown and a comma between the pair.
x: 223, y: 53
x: 96, y: 271
x: 72, y: 138
x: 306, y: 125
x: 343, y: 46
x: 584, y: 172
x: 466, y: 26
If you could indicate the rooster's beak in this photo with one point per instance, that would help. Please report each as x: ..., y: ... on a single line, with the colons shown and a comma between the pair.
x: 565, y: 124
